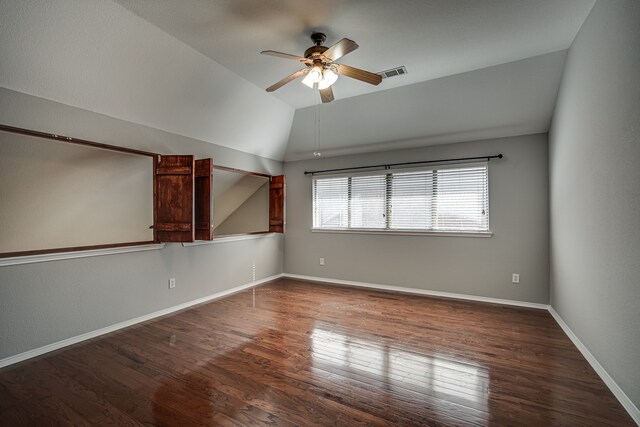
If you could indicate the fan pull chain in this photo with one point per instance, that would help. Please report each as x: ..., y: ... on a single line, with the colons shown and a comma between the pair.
x: 317, y: 153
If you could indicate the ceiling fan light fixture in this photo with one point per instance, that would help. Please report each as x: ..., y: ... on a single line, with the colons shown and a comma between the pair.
x: 313, y: 76
x: 328, y: 78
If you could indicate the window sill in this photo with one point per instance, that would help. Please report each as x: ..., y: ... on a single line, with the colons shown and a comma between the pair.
x: 230, y: 238
x: 406, y: 233
x: 29, y: 259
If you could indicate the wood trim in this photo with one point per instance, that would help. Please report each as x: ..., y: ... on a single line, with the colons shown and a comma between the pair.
x: 174, y: 181
x: 276, y: 204
x: 203, y: 203
x: 70, y: 140
x: 156, y: 160
x: 72, y: 249
x: 226, y: 168
x: 173, y: 226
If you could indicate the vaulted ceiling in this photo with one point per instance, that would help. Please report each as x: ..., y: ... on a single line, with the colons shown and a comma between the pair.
x: 467, y: 74
x: 476, y: 68
x: 432, y: 38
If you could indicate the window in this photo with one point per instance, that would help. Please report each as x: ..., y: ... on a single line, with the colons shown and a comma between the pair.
x: 440, y: 199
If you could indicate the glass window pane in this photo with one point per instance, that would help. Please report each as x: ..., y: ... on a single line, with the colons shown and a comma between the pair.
x: 368, y: 202
x: 330, y: 203
x: 410, y: 200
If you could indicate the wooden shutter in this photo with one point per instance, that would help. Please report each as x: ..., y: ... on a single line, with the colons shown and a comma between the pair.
x: 203, y: 201
x: 276, y: 204
x: 173, y: 189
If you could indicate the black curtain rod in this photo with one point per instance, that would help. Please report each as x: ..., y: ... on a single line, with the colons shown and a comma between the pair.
x: 388, y: 166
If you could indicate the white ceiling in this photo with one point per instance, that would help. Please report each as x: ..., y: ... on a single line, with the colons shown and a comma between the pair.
x: 432, y: 38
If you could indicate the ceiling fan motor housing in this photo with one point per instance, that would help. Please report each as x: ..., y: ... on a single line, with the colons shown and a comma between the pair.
x: 314, y: 51
x: 317, y: 49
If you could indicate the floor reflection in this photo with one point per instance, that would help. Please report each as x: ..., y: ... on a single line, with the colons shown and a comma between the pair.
x: 259, y: 378
x: 402, y: 370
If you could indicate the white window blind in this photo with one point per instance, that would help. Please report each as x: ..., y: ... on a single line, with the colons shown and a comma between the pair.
x: 443, y: 198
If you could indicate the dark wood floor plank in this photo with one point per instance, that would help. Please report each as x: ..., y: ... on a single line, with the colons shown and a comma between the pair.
x: 292, y: 352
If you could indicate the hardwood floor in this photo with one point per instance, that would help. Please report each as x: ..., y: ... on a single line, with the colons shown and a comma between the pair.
x: 299, y: 353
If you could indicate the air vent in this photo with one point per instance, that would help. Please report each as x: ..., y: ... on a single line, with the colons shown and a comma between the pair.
x: 398, y: 71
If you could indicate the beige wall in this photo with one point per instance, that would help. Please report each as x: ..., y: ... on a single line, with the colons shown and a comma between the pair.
x: 231, y: 190
x: 56, y: 195
x: 251, y: 216
x: 518, y: 190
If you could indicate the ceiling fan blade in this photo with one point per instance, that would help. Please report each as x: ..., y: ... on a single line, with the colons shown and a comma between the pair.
x: 340, y: 49
x: 287, y: 80
x: 356, y: 73
x: 284, y: 55
x: 326, y: 95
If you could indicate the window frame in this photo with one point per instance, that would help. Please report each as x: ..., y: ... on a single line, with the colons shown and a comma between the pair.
x: 387, y: 207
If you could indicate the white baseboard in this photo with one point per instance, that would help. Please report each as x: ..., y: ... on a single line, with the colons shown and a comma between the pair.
x: 606, y: 378
x: 416, y: 291
x: 83, y: 337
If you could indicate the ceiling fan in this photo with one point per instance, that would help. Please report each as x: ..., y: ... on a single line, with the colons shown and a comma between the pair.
x: 320, y: 66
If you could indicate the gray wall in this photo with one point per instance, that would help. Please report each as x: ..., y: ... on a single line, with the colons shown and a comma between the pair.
x: 47, y: 302
x: 518, y: 189
x: 595, y: 191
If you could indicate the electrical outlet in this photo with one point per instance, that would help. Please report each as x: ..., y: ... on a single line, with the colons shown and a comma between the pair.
x: 172, y: 283
x: 321, y: 261
x: 515, y: 278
